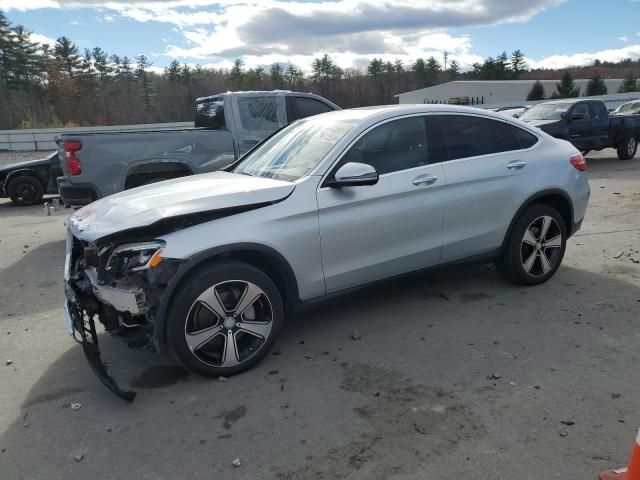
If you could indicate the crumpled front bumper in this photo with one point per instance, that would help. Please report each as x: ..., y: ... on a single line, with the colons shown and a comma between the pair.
x: 81, y: 323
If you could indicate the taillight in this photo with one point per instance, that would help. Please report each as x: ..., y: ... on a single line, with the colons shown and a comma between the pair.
x: 578, y: 162
x: 73, y: 164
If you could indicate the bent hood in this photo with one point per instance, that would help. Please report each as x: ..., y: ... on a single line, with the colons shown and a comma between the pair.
x: 180, y: 197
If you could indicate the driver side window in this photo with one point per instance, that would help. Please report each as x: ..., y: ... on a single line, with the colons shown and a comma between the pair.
x: 583, y: 109
x: 393, y: 146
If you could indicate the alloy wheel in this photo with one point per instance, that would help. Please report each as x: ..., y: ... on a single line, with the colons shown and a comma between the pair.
x: 631, y: 146
x: 541, y: 246
x: 228, y: 323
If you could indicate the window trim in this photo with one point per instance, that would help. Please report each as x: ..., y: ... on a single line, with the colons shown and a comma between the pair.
x: 334, y: 166
x: 487, y: 117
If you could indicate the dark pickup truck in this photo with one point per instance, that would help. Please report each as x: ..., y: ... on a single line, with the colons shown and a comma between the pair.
x: 587, y: 125
x: 226, y: 126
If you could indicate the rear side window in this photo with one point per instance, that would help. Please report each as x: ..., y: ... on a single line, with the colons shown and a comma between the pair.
x: 393, y: 146
x: 598, y: 110
x: 309, y: 106
x: 525, y: 139
x: 258, y: 113
x: 469, y: 136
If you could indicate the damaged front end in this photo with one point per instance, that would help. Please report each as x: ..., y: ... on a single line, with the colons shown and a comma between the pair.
x: 121, y: 286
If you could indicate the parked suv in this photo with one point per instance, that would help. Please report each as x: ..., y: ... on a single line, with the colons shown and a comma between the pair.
x: 210, y: 264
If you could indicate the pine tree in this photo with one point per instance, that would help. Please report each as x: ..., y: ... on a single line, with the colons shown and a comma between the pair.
x: 432, y: 69
x: 518, y: 64
x: 399, y: 68
x: 629, y: 84
x: 67, y: 54
x: 276, y: 75
x: 7, y: 48
x: 536, y: 92
x: 324, y: 69
x: 566, y: 88
x: 145, y: 81
x: 376, y: 67
x: 101, y: 64
x: 419, y: 69
x: 294, y: 78
x: 454, y: 70
x: 236, y: 75
x: 596, y: 86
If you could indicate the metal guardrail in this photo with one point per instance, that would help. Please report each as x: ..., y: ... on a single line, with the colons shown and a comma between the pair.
x: 43, y: 138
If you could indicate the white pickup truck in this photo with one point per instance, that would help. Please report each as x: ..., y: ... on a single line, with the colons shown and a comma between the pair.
x: 226, y: 126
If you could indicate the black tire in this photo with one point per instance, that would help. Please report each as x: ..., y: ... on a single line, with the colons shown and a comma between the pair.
x: 628, y: 147
x: 183, y: 312
x: 25, y: 190
x: 513, y: 262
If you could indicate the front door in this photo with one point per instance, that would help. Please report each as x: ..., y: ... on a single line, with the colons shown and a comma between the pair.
x: 395, y: 226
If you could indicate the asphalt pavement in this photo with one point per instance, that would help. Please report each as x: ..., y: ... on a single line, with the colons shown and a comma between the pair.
x: 456, y: 374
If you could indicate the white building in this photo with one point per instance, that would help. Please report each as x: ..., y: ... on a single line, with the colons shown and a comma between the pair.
x: 490, y: 92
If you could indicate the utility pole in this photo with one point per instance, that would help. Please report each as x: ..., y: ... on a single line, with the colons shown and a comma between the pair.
x: 445, y: 54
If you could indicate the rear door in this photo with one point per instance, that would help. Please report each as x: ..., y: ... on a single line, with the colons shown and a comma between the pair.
x: 395, y: 226
x: 488, y: 172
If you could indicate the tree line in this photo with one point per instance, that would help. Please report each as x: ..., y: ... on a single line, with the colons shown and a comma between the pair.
x: 60, y: 85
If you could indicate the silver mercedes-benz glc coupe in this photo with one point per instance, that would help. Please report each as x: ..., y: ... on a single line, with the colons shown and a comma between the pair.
x: 211, y: 264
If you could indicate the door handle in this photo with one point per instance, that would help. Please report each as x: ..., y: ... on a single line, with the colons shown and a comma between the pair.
x: 425, y: 179
x: 517, y: 165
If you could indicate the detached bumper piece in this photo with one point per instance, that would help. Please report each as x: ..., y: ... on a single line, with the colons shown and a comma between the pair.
x: 85, y: 326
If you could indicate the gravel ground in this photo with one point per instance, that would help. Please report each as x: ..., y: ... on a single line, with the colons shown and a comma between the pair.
x: 13, y: 157
x: 456, y: 375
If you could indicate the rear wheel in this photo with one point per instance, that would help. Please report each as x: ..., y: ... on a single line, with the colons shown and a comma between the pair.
x: 535, y: 247
x: 25, y: 190
x: 627, y: 147
x: 224, y: 319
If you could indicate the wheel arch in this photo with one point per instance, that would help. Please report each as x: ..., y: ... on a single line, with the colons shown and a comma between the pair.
x: 262, y: 257
x: 151, y: 167
x: 556, y: 198
x: 23, y: 172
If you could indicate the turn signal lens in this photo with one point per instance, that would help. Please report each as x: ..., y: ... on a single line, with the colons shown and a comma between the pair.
x: 155, y: 259
x: 579, y: 162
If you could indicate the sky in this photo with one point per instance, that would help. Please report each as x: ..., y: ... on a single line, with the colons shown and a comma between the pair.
x: 551, y: 33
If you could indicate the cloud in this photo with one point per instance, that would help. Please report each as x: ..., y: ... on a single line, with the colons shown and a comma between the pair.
x: 39, y: 38
x: 623, y: 39
x: 351, y: 31
x: 583, y: 59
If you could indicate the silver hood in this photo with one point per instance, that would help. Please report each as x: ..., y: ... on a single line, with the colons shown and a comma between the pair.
x: 147, y: 205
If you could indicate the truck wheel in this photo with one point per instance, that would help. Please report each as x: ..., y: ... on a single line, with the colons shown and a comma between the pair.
x: 535, y: 247
x: 627, y: 147
x: 224, y: 319
x: 25, y: 190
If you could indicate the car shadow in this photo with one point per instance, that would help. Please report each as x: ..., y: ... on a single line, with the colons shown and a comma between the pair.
x: 34, y: 283
x: 451, y: 331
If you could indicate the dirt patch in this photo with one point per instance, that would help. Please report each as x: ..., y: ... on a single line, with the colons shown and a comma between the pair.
x: 232, y: 416
x: 468, y: 297
x: 409, y: 425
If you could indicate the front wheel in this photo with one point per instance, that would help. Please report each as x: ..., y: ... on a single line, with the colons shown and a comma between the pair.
x: 627, y: 147
x: 224, y: 319
x: 535, y: 247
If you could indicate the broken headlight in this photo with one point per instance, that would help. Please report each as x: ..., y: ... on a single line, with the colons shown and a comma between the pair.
x: 135, y: 256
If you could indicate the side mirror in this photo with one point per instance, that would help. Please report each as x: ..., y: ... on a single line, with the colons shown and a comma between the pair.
x: 354, y: 174
x: 578, y: 116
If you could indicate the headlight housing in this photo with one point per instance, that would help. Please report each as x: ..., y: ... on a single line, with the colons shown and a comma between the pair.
x: 133, y: 257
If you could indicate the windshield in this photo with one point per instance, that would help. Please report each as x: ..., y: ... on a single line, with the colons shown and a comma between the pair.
x: 548, y: 111
x: 627, y: 107
x: 294, y: 151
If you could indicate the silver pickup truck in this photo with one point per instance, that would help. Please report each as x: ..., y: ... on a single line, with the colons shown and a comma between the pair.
x: 226, y: 126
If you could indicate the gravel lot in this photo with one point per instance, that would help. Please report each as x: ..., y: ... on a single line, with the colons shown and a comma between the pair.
x: 457, y: 374
x: 13, y: 157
